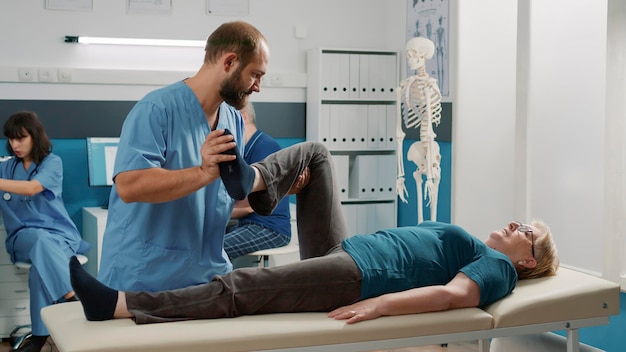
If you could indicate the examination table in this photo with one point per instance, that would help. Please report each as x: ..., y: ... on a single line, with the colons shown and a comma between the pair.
x: 568, y: 301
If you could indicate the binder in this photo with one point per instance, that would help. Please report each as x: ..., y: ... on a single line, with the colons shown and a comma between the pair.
x: 359, y: 126
x: 342, y: 171
x: 354, y: 79
x: 364, y: 177
x: 364, y: 76
x: 387, y: 174
x: 391, y: 120
x: 324, y: 125
x: 326, y: 76
x: 343, y: 91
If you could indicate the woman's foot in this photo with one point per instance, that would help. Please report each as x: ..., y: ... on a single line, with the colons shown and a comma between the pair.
x: 97, y: 299
x: 237, y: 175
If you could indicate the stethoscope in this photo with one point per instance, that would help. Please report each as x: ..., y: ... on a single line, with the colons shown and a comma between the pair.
x: 7, y: 196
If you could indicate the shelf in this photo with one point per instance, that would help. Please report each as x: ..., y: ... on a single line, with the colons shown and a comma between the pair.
x: 362, y: 151
x: 351, y: 108
x: 373, y: 200
x: 359, y: 101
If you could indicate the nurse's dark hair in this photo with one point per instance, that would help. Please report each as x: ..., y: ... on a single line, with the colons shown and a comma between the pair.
x: 27, y: 122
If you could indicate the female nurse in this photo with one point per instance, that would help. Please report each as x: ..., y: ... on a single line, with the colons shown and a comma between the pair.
x: 39, y: 229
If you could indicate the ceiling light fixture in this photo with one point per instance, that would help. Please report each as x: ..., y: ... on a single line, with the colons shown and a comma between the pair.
x: 134, y: 41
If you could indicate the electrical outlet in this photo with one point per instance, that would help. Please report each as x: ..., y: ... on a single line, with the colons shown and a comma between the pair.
x: 65, y: 75
x: 26, y: 74
x: 277, y: 80
x: 46, y: 74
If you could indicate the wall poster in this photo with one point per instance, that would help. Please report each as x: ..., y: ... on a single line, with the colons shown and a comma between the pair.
x: 430, y: 19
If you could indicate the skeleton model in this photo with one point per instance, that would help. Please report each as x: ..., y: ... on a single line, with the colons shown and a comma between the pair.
x: 419, y: 105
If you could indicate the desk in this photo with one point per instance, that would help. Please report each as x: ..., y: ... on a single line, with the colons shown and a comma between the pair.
x: 94, y: 222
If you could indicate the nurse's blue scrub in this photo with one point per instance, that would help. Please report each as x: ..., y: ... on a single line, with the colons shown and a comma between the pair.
x: 40, y: 231
x: 161, y: 246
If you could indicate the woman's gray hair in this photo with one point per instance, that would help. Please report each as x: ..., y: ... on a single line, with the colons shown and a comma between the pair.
x: 545, y: 254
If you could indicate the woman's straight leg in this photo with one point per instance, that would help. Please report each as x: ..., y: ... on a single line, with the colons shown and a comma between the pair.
x: 314, y: 285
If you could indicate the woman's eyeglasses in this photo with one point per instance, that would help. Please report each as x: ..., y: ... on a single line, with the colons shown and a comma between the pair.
x: 526, y: 230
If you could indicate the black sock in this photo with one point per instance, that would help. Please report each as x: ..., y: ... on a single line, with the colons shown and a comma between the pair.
x: 237, y: 175
x: 97, y: 299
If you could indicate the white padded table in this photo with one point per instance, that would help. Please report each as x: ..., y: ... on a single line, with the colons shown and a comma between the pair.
x: 71, y: 332
x: 567, y: 301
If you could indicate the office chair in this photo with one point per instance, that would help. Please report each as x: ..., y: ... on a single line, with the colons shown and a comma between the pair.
x: 264, y: 254
x: 17, y: 336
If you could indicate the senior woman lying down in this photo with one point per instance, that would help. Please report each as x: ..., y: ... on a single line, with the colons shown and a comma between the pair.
x: 429, y: 267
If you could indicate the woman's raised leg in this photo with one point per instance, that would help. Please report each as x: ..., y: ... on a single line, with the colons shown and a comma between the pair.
x: 321, y: 224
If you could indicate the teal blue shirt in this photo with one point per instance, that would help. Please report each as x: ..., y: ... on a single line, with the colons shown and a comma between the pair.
x: 430, y: 253
x: 162, y: 246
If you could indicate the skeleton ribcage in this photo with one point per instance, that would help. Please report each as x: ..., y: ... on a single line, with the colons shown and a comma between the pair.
x: 415, y: 107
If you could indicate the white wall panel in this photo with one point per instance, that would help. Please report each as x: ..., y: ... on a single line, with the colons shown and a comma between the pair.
x: 567, y: 125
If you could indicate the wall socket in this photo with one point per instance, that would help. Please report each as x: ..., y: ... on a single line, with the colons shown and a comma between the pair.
x: 26, y: 74
x: 46, y: 74
x: 65, y: 75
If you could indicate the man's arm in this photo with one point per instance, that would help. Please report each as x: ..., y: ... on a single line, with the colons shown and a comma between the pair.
x: 461, y: 292
x: 157, y: 185
x: 241, y: 209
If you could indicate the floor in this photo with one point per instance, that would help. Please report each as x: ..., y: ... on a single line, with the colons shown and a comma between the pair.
x: 459, y: 347
x: 49, y: 347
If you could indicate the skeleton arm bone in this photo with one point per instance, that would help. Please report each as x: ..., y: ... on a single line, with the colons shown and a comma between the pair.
x: 403, y: 193
x: 433, y: 156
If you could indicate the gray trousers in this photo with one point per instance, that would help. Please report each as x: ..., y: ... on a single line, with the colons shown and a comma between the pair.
x: 325, y: 278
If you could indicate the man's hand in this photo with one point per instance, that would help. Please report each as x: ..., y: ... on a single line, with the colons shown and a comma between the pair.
x: 215, y: 143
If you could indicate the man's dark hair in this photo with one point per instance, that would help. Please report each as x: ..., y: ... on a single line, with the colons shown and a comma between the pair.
x: 238, y: 37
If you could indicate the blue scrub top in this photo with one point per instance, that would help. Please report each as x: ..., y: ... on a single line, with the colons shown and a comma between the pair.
x: 45, y: 210
x: 161, y: 246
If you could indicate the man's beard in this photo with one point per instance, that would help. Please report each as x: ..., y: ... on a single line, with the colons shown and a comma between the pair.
x: 232, y: 93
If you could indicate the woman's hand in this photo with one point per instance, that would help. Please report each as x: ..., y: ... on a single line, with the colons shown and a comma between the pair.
x: 301, y: 182
x: 360, y: 311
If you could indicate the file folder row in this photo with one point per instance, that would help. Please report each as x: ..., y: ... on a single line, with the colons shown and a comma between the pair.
x: 357, y: 127
x: 369, y: 217
x: 359, y: 76
x: 366, y: 176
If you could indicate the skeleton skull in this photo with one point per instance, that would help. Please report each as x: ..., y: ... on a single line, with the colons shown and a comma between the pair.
x: 418, y: 50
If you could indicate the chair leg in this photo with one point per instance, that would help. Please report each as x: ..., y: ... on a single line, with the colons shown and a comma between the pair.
x: 18, y: 340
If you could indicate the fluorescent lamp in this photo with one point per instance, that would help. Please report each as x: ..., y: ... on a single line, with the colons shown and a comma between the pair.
x: 134, y: 41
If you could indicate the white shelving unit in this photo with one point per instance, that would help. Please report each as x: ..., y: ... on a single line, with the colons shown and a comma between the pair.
x: 94, y: 222
x: 351, y: 108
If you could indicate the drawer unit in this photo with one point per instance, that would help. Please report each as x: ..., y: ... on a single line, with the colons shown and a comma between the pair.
x: 14, y: 293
